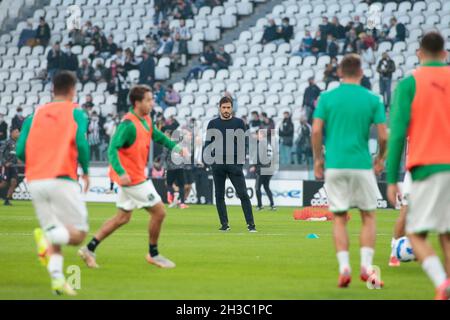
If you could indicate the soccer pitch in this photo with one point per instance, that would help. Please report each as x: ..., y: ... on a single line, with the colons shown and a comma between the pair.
x: 278, y: 262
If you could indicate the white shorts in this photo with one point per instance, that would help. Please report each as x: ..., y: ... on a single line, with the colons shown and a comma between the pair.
x: 58, y: 202
x: 351, y: 188
x: 429, y: 205
x: 139, y: 196
x: 406, y: 188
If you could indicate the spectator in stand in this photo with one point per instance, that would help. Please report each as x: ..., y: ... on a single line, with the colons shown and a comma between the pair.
x: 3, y: 129
x: 43, y: 32
x: 359, y: 27
x: 55, y: 60
x: 77, y: 37
x: 305, y: 46
x: 110, y: 127
x: 94, y: 136
x: 223, y: 59
x: 182, y: 10
x: 386, y: 67
x: 147, y: 69
x: 337, y: 29
x: 365, y: 82
x: 319, y: 45
x: 27, y: 36
x: 18, y: 119
x: 286, y: 133
x: 172, y: 97
x: 310, y: 97
x: 160, y: 95
x: 100, y: 72
x: 119, y: 57
x: 350, y: 42
x: 184, y: 37
x: 122, y: 88
x: 71, y: 60
x: 150, y: 44
x: 88, y: 31
x: 162, y: 8
x: 368, y: 57
x: 85, y: 72
x: 397, y: 31
x: 111, y: 77
x: 330, y: 74
x: 285, y: 32
x: 165, y: 46
x: 207, y: 60
x: 130, y: 60
x: 163, y: 29
x: 98, y: 40
x: 350, y: 25
x: 303, y: 144
x: 88, y: 105
x: 332, y: 48
x: 255, y: 122
x: 171, y: 124
x: 266, y: 123
x: 175, y: 55
x: 270, y: 32
x: 109, y: 49
x: 325, y: 28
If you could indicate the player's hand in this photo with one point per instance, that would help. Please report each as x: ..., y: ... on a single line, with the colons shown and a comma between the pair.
x: 378, y: 165
x: 125, y: 180
x: 86, y: 183
x: 318, y: 169
x: 392, y: 194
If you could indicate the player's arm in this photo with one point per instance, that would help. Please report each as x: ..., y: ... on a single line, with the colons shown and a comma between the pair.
x: 317, y: 137
x: 162, y: 139
x: 22, y: 141
x: 81, y: 139
x: 380, y: 122
x: 400, y: 118
x: 124, y: 136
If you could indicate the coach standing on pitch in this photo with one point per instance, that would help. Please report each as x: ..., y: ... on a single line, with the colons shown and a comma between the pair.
x: 225, y: 162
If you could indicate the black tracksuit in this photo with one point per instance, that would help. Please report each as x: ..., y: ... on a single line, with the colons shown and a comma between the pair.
x: 231, y: 168
x: 263, y: 179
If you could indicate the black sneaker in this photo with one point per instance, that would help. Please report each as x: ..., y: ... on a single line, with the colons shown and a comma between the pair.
x: 7, y: 203
x: 259, y: 208
x: 273, y: 208
x: 251, y: 228
x: 225, y: 228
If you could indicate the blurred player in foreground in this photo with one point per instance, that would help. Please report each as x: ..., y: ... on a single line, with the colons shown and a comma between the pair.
x: 347, y: 113
x: 128, y: 155
x: 52, y: 143
x: 421, y: 111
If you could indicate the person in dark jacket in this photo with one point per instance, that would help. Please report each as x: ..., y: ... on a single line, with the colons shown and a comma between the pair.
x: 285, y: 32
x: 310, y: 96
x: 270, y: 32
x: 325, y: 28
x: 55, y: 60
x: 43, y: 32
x: 147, y: 69
x: 397, y: 31
x: 332, y: 49
x: 71, y: 60
x: 337, y: 29
x: 286, y: 134
x: 386, y: 67
x: 319, y: 45
x: 26, y: 34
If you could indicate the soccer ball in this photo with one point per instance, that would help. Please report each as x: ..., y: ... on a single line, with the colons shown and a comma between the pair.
x: 404, y: 250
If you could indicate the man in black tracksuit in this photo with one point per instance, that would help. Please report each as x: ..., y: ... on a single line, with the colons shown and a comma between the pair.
x: 228, y: 163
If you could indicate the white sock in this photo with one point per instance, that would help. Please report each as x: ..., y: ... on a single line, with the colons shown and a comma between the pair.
x: 367, y: 258
x: 393, y: 242
x: 55, y: 266
x: 434, y: 269
x: 58, y: 235
x: 344, y: 261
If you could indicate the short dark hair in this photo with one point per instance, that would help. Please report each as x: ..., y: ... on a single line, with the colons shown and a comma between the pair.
x: 63, y: 82
x: 137, y: 93
x: 226, y: 99
x: 350, y: 65
x: 432, y: 43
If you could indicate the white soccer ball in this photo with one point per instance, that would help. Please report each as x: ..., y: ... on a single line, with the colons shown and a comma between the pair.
x: 404, y: 250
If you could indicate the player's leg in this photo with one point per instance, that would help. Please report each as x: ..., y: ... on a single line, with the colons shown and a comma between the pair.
x: 12, y: 186
x: 337, y: 189
x: 170, y: 180
x: 258, y: 184
x: 180, y: 181
x: 188, y: 180
x: 238, y: 180
x: 266, y: 184
x: 125, y: 206
x: 445, y: 245
x: 428, y: 210
x: 219, y: 178
x: 367, y: 243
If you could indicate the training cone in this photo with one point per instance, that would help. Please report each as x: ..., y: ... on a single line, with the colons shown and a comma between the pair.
x: 312, y: 236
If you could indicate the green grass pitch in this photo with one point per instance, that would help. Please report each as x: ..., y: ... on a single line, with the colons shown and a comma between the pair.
x: 278, y: 262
